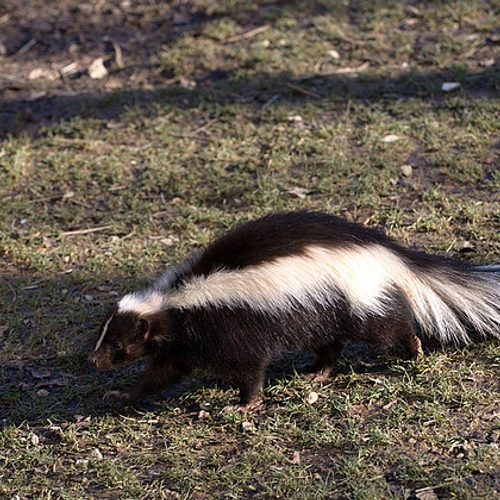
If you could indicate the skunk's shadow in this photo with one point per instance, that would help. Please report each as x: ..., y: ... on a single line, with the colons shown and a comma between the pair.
x: 32, y: 393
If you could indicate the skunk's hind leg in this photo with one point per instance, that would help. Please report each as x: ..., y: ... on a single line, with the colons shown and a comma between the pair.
x: 396, y: 326
x: 413, y: 345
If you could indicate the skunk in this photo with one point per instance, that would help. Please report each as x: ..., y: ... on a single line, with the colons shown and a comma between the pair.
x: 299, y: 281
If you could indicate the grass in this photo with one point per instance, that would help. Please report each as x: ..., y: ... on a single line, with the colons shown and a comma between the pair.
x: 243, y: 128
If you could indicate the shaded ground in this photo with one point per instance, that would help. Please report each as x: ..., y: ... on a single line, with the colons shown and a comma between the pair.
x: 47, y: 53
x: 47, y: 50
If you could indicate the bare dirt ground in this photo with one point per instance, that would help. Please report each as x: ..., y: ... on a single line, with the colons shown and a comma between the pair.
x: 47, y: 51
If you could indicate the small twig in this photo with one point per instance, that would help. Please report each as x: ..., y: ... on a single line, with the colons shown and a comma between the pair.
x: 248, y: 34
x: 348, y: 109
x: 451, y: 245
x: 118, y: 54
x: 270, y: 101
x: 350, y: 69
x: 34, y: 285
x: 303, y: 91
x: 26, y: 47
x: 11, y: 78
x: 207, y: 125
x: 338, y: 71
x: 85, y: 231
x: 440, y: 485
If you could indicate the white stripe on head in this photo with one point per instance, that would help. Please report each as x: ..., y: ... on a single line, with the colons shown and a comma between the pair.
x: 103, y: 333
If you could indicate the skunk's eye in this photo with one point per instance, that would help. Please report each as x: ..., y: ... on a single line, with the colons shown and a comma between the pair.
x: 117, y: 346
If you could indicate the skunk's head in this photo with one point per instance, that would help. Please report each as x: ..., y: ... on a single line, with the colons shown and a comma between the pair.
x: 123, y: 339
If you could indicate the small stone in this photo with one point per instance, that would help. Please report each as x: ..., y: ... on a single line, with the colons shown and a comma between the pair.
x: 406, y: 170
x: 96, y: 454
x: 247, y: 426
x: 203, y: 415
x: 311, y: 398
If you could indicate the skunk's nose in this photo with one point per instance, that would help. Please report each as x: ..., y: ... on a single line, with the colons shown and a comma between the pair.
x: 92, y: 360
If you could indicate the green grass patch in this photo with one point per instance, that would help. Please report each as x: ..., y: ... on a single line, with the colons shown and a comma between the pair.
x: 267, y: 107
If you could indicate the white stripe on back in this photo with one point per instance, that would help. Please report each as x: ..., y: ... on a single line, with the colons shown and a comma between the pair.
x: 364, y: 274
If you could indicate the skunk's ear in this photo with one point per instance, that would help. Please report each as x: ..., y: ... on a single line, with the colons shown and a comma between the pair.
x: 142, y: 328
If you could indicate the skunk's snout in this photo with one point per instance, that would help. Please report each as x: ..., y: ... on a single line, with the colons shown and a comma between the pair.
x: 92, y: 360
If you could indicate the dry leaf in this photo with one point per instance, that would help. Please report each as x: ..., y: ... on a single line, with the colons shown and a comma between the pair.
x: 447, y: 86
x: 391, y: 138
x: 39, y: 374
x: 97, y: 70
x: 116, y: 125
x: 426, y: 494
x: 493, y: 39
x: 30, y: 322
x: 186, y: 83
x: 466, y: 246
x: 206, y: 405
x: 487, y: 63
x: 300, y: 192
x: 297, y: 121
x: 69, y: 69
x: 488, y: 417
x: 247, y: 426
x: 388, y: 406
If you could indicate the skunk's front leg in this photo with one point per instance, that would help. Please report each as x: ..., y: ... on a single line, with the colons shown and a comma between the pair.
x: 156, y: 377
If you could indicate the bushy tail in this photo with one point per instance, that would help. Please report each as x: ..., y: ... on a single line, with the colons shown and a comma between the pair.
x: 450, y: 302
